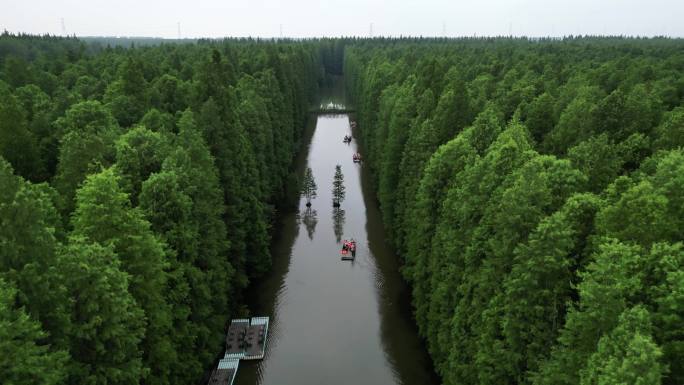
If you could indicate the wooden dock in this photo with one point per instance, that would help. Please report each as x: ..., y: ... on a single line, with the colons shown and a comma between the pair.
x: 225, y: 372
x: 245, y: 340
x: 255, y: 340
x: 235, y: 338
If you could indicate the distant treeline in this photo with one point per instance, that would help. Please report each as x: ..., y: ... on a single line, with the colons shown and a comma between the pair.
x: 137, y: 191
x: 535, y: 190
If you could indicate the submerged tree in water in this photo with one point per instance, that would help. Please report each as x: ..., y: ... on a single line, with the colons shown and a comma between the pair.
x: 338, y: 186
x: 309, y: 186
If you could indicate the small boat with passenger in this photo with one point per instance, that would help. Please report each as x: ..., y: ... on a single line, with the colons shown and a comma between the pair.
x: 356, y: 158
x: 348, y: 250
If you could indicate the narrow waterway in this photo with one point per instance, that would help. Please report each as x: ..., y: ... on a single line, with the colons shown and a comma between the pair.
x: 332, y: 321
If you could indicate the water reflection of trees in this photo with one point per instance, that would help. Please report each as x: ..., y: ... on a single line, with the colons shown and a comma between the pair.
x: 310, y: 219
x: 338, y: 223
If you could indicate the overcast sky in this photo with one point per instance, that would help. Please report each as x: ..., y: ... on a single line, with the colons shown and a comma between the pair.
x: 306, y: 18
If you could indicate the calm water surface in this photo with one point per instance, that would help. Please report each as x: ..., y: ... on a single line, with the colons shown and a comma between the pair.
x: 332, y: 321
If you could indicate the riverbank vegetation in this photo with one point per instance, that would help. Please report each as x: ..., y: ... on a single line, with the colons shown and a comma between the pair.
x: 535, y: 191
x: 137, y: 189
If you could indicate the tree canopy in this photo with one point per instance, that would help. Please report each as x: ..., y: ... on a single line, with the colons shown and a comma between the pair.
x: 532, y: 189
x: 137, y: 191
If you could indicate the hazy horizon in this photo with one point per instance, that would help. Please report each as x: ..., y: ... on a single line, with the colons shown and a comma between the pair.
x: 305, y: 18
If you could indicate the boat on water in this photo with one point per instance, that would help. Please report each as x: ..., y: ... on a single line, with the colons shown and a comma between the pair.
x: 348, y: 250
x: 356, y: 158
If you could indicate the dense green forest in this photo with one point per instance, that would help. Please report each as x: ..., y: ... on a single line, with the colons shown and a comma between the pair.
x: 137, y: 191
x: 535, y: 191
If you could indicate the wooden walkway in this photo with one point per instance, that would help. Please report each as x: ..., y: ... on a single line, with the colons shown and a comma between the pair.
x: 225, y: 372
x: 235, y: 338
x: 255, y: 340
x: 245, y: 340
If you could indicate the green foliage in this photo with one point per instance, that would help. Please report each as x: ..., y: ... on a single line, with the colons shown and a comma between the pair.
x: 621, y: 276
x: 338, y: 186
x: 17, y: 144
x: 169, y: 163
x: 104, y: 315
x: 238, y: 173
x: 125, y: 97
x: 184, y: 203
x: 197, y: 143
x: 87, y: 144
x: 577, y: 122
x: 525, y: 244
x: 252, y: 116
x: 627, y: 355
x: 390, y: 152
x: 139, y: 153
x: 309, y: 187
x: 533, y: 188
x: 158, y: 121
x: 670, y: 133
x: 22, y: 349
x: 539, y: 116
x: 540, y: 283
x: 443, y: 167
x: 16, y: 71
x: 28, y: 251
x: 104, y: 215
x: 599, y: 159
